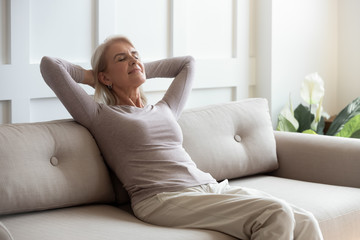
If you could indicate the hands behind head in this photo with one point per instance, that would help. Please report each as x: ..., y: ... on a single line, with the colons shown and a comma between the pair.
x: 89, y: 78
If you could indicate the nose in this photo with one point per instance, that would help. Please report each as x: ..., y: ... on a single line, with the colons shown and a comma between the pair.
x: 133, y: 60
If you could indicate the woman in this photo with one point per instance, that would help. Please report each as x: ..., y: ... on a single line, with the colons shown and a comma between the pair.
x: 143, y: 145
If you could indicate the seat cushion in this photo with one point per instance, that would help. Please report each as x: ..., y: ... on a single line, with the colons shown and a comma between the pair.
x: 336, y: 208
x: 96, y: 222
x: 232, y: 139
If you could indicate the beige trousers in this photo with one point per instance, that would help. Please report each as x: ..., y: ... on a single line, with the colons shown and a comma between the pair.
x: 240, y: 212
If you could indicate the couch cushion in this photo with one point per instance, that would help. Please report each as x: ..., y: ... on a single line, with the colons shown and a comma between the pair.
x: 230, y: 140
x: 336, y: 208
x: 49, y: 165
x: 96, y: 222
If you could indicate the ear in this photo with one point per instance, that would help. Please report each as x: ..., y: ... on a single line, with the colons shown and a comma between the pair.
x: 103, y: 78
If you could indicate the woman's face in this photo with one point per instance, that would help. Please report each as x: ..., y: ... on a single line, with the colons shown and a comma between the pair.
x: 124, y: 70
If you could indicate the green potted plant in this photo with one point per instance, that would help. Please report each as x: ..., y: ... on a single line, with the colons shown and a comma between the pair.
x: 310, y: 118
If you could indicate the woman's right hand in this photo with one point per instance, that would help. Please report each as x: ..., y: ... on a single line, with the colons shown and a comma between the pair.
x: 89, y: 78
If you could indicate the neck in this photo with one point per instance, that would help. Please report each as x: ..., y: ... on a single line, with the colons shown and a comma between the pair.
x: 132, y: 98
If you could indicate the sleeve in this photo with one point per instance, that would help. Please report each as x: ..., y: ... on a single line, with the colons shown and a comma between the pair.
x: 4, y: 233
x: 63, y: 78
x: 182, y: 70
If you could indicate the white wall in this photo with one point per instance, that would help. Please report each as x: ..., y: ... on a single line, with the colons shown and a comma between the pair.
x: 349, y: 52
x: 295, y: 38
x: 215, y: 32
x: 267, y: 45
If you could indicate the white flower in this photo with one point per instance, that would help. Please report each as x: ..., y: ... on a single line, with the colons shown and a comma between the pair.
x: 318, y: 114
x: 312, y: 89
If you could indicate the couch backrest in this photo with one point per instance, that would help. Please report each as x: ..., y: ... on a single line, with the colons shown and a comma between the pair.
x: 50, y: 165
x: 58, y: 164
x: 230, y: 140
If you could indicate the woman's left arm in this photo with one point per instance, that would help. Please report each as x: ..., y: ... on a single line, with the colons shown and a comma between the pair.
x: 182, y: 70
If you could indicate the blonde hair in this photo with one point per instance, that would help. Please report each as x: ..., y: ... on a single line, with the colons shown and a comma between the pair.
x: 98, y: 63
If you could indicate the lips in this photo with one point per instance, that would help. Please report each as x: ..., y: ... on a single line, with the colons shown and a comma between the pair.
x: 135, y: 70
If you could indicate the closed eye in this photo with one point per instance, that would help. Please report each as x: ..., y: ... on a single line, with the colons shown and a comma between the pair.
x: 135, y: 54
x: 119, y: 57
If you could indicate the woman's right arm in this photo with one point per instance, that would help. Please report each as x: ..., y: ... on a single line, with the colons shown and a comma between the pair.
x: 63, y: 78
x: 182, y: 70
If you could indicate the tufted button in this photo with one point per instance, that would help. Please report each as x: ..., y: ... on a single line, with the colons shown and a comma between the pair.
x: 54, y: 161
x: 237, y: 138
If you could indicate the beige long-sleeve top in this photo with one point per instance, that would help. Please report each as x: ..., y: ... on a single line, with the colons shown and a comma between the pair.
x: 143, y: 146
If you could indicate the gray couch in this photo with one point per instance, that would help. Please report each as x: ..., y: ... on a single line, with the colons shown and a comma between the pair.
x: 55, y: 185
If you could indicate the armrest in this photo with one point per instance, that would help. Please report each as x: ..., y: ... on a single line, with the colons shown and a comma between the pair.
x: 4, y: 233
x: 318, y: 158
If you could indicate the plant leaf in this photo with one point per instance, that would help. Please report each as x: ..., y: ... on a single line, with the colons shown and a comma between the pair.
x: 351, y: 110
x: 356, y: 134
x: 309, y: 131
x: 285, y: 125
x: 304, y: 117
x: 351, y: 128
x: 321, y: 126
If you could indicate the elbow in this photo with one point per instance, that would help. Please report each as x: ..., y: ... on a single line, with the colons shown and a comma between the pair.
x: 45, y: 64
x: 47, y: 67
x: 189, y: 63
x: 190, y: 60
